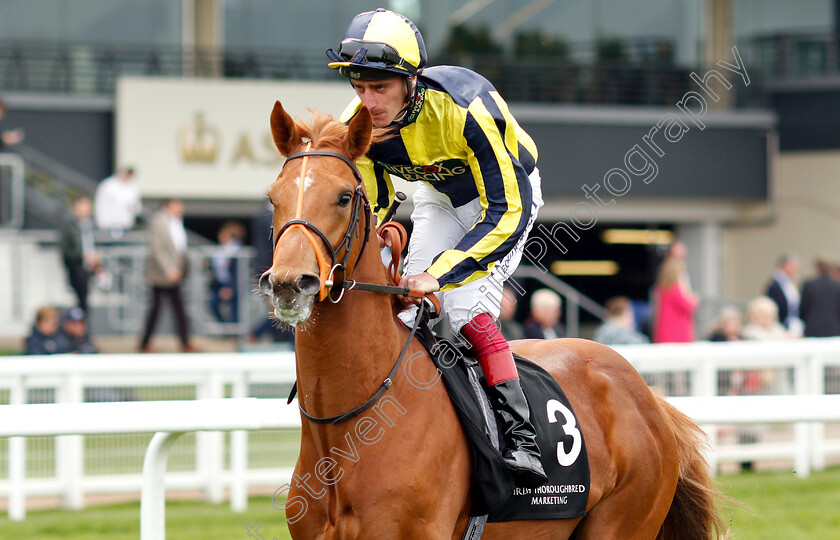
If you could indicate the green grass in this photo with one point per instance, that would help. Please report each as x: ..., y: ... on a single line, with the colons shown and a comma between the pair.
x: 781, y: 506
x: 184, y: 521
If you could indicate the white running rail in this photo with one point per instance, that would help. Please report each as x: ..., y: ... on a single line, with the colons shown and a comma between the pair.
x: 811, y: 365
x: 169, y: 419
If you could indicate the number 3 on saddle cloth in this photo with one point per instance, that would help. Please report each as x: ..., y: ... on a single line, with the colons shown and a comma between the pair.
x: 559, y: 437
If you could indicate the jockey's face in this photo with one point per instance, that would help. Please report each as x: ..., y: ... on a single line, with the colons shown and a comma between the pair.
x: 385, y: 98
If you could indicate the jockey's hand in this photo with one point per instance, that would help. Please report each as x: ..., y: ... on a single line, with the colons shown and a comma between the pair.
x: 425, y: 282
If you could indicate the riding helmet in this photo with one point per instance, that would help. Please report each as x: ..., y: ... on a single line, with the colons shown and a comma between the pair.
x: 377, y: 45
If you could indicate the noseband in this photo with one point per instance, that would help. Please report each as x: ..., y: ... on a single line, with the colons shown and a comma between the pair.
x: 360, y: 203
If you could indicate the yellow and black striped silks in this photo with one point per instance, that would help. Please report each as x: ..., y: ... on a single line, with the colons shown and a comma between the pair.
x: 460, y: 138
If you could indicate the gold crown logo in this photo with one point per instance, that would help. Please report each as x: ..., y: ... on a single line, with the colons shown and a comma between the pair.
x: 197, y: 141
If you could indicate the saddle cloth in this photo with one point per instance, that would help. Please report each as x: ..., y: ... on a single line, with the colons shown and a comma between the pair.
x: 561, y: 443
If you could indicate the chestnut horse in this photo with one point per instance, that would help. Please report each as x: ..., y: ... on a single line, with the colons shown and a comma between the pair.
x: 400, y: 468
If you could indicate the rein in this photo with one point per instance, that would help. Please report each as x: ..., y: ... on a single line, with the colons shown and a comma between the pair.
x: 422, y: 313
x: 392, y: 231
x: 429, y: 308
x: 398, y: 237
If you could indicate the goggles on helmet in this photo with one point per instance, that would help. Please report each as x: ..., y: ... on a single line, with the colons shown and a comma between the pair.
x: 370, y: 55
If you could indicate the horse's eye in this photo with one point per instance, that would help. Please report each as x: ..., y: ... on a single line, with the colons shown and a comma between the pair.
x: 345, y: 199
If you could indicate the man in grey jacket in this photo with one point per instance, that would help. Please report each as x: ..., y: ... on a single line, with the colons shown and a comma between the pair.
x: 166, y: 268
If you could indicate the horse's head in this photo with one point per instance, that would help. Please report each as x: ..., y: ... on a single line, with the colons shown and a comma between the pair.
x: 318, y: 202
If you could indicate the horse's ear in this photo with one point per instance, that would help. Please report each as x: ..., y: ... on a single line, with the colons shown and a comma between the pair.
x: 358, y: 135
x: 284, y: 130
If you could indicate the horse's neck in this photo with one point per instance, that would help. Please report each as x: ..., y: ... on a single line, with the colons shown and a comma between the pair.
x: 347, y: 349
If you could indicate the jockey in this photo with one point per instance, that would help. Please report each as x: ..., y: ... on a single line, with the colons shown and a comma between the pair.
x: 477, y: 198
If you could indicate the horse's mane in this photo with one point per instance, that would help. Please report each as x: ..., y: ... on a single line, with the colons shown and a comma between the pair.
x: 326, y: 131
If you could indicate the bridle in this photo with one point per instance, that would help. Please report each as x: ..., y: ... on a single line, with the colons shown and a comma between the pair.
x: 430, y: 307
x: 326, y: 270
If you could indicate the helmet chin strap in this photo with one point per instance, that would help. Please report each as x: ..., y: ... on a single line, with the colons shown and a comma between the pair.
x: 410, y: 87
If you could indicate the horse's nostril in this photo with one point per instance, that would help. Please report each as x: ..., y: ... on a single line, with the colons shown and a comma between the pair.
x: 265, y: 283
x: 308, y: 283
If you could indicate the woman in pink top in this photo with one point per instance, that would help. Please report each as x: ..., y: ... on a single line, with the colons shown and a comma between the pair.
x: 674, y: 303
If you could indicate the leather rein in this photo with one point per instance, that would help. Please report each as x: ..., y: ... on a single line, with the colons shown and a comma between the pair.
x: 393, y: 231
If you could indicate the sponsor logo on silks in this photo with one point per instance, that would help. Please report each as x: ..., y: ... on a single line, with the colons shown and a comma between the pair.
x: 417, y: 104
x: 443, y: 170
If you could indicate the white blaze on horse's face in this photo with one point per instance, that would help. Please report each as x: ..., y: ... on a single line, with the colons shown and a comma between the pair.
x: 293, y: 283
x: 307, y: 181
x: 311, y: 227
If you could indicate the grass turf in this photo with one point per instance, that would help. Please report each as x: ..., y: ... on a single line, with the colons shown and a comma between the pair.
x: 185, y: 520
x: 780, y: 506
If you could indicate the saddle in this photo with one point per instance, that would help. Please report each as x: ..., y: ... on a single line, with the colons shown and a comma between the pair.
x: 561, y: 442
x: 562, y: 448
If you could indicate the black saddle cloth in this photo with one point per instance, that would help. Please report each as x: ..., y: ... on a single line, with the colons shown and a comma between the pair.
x: 559, y: 437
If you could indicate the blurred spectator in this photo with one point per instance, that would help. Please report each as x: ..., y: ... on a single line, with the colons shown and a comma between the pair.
x: 784, y: 292
x: 9, y: 137
x: 510, y: 327
x: 544, y: 322
x: 820, y: 307
x: 224, y: 297
x: 762, y: 324
x: 642, y: 313
x: 674, y: 303
x: 261, y: 228
x: 763, y: 320
x: 74, y: 336
x: 117, y: 202
x: 728, y: 325
x: 619, y: 328
x: 166, y: 268
x: 43, y: 338
x: 78, y: 251
x: 678, y: 251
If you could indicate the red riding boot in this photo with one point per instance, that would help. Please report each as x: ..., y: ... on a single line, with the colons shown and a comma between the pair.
x: 521, y: 453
